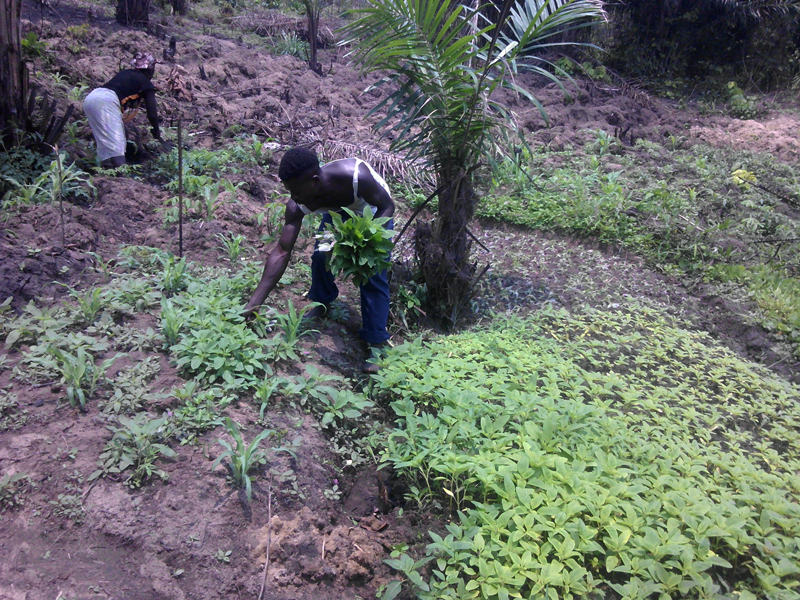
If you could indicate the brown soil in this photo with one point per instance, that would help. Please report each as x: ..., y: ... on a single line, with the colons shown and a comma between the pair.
x: 163, y: 541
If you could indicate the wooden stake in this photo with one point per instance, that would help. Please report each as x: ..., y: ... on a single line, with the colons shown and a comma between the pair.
x: 180, y: 190
x: 269, y: 540
x: 61, y: 197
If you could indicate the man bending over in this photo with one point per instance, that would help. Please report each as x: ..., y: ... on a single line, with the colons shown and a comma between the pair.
x: 348, y: 183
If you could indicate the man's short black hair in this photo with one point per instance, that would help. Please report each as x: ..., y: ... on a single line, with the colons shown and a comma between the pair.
x: 297, y: 162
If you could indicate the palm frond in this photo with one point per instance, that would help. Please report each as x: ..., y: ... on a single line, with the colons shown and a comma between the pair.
x: 444, y: 68
x: 386, y: 163
x: 758, y: 9
x: 533, y: 22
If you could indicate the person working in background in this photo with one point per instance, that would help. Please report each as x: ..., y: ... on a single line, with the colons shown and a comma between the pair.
x: 104, y: 108
x: 348, y: 183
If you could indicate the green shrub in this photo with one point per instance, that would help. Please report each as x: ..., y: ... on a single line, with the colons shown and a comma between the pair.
x: 739, y: 105
x: 32, y: 46
x: 289, y: 43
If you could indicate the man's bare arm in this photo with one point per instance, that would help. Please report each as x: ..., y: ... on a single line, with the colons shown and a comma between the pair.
x: 152, y: 112
x: 374, y: 193
x: 278, y: 259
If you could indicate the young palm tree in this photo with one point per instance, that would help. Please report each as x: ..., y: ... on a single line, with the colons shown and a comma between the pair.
x: 445, y: 61
x: 313, y: 14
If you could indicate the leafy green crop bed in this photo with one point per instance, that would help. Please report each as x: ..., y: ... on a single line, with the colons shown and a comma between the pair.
x: 698, y: 212
x: 594, y: 451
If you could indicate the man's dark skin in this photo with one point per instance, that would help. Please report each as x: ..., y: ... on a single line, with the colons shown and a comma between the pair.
x: 327, y: 187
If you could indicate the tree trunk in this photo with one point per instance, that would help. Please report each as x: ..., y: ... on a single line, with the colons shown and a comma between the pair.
x: 181, y: 7
x: 133, y: 12
x: 444, y: 251
x: 13, y: 71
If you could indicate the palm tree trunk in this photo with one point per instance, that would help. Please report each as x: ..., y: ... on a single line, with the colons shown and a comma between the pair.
x: 444, y: 250
x: 133, y: 12
x: 181, y: 7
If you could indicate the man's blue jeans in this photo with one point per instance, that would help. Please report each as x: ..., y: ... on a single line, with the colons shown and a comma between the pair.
x: 374, y: 293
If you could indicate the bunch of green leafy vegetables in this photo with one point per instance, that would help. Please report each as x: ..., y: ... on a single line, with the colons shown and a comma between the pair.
x: 359, y: 245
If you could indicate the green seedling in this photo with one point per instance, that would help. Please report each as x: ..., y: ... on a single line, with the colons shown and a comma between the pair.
x: 171, y: 322
x: 199, y: 411
x: 78, y: 93
x: 232, y: 245
x: 333, y: 493
x: 307, y: 390
x: 80, y: 374
x: 90, y: 304
x: 32, y: 46
x: 6, y: 306
x: 604, y: 143
x: 292, y: 322
x: 266, y: 390
x: 290, y: 43
x: 22, y: 194
x: 137, y: 444
x: 223, y: 351
x: 209, y: 194
x: 271, y: 220
x: 12, y: 489
x: 231, y: 187
x: 174, y: 278
x: 223, y: 556
x: 342, y: 404
x: 243, y: 458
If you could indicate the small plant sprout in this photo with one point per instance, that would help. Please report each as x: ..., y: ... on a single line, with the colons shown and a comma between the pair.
x: 241, y: 459
x: 265, y: 391
x: 223, y: 556
x: 11, y: 490
x: 80, y: 374
x: 137, y: 444
x: 342, y: 404
x: 89, y: 304
x: 209, y: 195
x: 175, y: 275
x: 293, y: 329
x: 78, y: 93
x: 292, y: 322
x: 232, y: 245
x: 334, y: 493
x: 171, y: 322
x: 231, y: 187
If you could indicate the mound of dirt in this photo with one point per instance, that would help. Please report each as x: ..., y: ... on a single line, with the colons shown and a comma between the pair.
x: 776, y: 134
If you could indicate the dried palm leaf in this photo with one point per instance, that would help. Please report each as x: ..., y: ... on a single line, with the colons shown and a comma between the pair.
x: 633, y: 91
x: 388, y: 163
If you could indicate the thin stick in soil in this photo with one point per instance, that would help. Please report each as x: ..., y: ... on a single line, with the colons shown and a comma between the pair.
x: 269, y: 540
